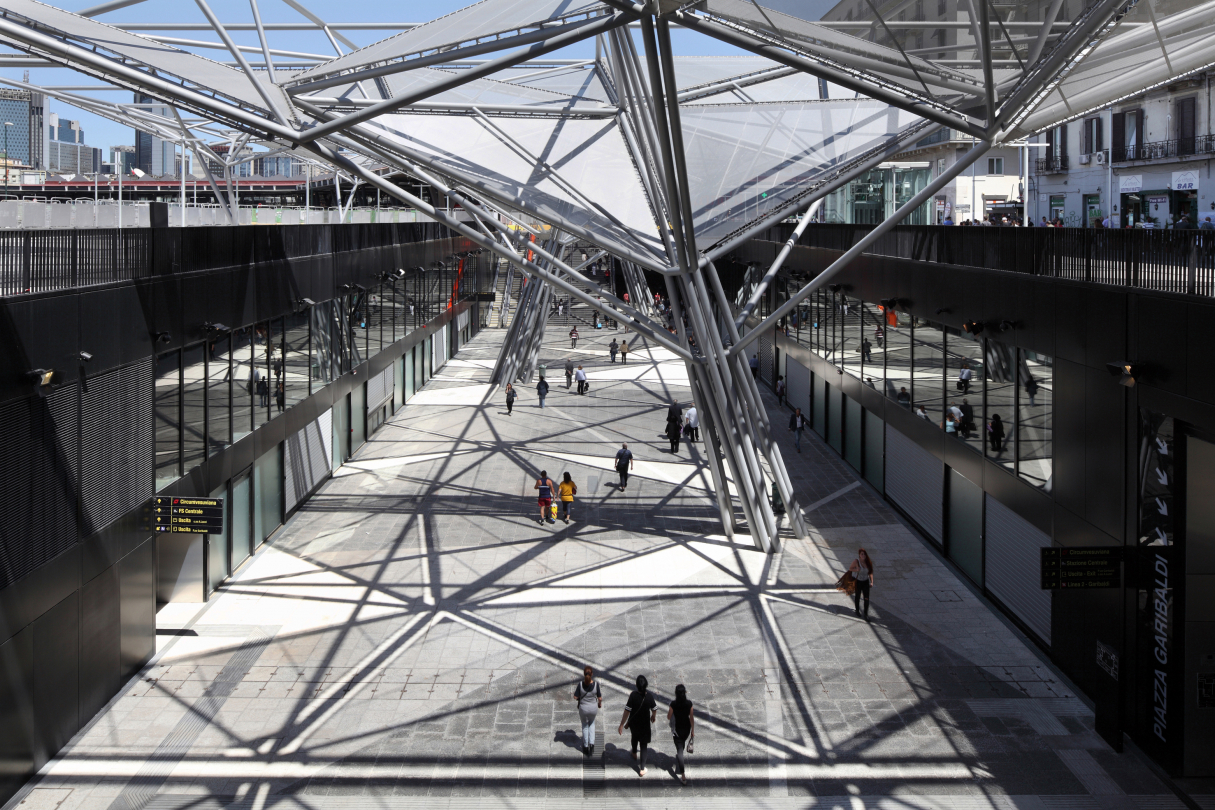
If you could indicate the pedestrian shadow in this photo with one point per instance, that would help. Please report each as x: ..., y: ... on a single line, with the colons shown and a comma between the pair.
x: 571, y: 738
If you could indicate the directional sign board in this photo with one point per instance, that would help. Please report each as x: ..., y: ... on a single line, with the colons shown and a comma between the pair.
x: 188, y: 515
x: 1086, y: 567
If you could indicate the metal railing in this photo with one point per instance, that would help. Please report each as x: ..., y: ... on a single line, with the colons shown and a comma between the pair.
x: 1181, y: 261
x: 38, y: 261
x: 1159, y: 150
x: 1052, y: 164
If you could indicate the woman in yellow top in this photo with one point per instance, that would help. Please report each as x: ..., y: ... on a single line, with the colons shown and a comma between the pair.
x: 566, y: 490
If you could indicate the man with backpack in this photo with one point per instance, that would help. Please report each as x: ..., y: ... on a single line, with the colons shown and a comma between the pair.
x: 546, y: 488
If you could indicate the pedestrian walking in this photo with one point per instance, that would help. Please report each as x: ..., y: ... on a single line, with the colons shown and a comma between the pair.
x: 640, y: 712
x: 566, y: 491
x: 755, y: 366
x: 574, y: 338
x: 589, y: 698
x: 511, y: 394
x: 862, y: 571
x: 674, y: 429
x: 1031, y: 388
x: 683, y: 729
x: 280, y: 397
x: 797, y: 423
x: 995, y: 433
x: 613, y: 347
x: 624, y: 463
x: 545, y: 488
x: 691, y: 421
x: 624, y: 351
x: 964, y: 377
x: 263, y: 392
x: 903, y: 397
x: 867, y: 350
x: 780, y: 390
x: 968, y: 418
x: 580, y: 378
x: 542, y: 390
x: 569, y: 373
x: 674, y: 415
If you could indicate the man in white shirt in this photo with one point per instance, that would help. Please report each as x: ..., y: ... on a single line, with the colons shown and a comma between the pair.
x: 692, y: 419
x: 580, y: 378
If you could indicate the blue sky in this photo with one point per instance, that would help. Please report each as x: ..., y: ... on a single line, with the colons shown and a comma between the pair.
x: 102, y: 133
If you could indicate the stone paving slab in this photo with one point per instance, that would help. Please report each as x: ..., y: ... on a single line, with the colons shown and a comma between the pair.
x: 412, y: 637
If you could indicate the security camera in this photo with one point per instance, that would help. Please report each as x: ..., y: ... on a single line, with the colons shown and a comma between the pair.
x: 162, y: 337
x: 85, y: 357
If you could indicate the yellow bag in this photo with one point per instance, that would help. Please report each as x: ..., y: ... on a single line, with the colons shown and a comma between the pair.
x: 553, y: 510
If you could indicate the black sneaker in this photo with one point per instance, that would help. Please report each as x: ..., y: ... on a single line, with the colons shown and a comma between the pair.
x: 592, y: 750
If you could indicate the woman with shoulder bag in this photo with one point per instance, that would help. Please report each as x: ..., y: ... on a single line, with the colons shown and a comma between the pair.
x: 589, y: 698
x: 683, y: 729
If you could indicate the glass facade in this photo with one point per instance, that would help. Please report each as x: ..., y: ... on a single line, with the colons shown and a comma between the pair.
x: 993, y: 397
x: 216, y: 392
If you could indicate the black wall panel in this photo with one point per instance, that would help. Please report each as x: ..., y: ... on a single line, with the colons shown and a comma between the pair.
x: 1104, y: 450
x: 100, y: 637
x: 18, y: 726
x: 1069, y: 435
x: 57, y: 676
x: 137, y: 608
x: 1160, y: 335
x: 1200, y: 322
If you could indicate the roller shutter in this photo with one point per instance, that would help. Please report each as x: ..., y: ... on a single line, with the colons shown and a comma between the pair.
x: 1012, y: 564
x: 915, y: 481
x: 439, y: 347
x: 379, y: 388
x: 307, y: 456
x: 797, y: 377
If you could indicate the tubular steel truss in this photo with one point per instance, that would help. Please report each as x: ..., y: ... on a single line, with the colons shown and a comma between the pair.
x: 664, y: 163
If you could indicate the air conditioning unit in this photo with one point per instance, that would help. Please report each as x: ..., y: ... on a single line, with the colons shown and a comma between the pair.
x: 1100, y: 158
x: 1085, y: 159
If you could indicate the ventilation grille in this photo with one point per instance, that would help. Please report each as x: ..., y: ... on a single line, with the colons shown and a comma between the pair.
x: 117, y: 456
x: 38, y: 478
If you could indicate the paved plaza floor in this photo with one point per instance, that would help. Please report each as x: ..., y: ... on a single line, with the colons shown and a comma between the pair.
x: 412, y: 637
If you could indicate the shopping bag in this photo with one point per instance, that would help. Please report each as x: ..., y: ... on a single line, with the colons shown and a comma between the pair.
x: 553, y: 510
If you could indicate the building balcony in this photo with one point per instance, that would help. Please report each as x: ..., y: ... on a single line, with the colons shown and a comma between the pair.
x: 1052, y: 164
x: 1165, y: 150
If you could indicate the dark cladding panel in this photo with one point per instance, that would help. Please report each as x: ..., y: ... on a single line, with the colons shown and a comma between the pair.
x: 137, y: 609
x: 1104, y: 441
x: 1069, y: 436
x: 1200, y: 386
x: 57, y: 675
x: 99, y: 640
x: 18, y: 727
x: 117, y: 453
x: 1160, y: 335
x: 915, y: 481
x: 38, y: 472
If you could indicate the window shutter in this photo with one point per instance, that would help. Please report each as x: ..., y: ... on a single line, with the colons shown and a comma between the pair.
x: 1063, y: 140
x: 1100, y: 144
x: 1185, y: 126
x: 1138, y: 132
x: 1118, y: 136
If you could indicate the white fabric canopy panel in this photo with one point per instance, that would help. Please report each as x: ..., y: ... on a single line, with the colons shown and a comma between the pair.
x: 487, y: 19
x: 746, y: 160
x: 588, y: 154
x: 214, y: 77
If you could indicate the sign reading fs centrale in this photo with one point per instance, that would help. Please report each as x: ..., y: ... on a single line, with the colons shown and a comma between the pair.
x: 188, y: 515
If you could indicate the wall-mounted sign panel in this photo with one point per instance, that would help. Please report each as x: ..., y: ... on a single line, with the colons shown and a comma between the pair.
x: 188, y: 515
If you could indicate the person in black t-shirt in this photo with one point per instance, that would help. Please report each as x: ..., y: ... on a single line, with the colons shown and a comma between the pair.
x: 624, y: 463
x: 639, y: 713
x: 683, y: 729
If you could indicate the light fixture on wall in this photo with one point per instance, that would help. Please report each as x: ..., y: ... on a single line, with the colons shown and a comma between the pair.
x: 972, y: 328
x: 161, y: 337
x: 302, y: 304
x: 41, y: 379
x: 214, y: 329
x: 894, y: 303
x: 85, y: 357
x: 944, y: 311
x: 1126, y: 372
x: 1006, y: 326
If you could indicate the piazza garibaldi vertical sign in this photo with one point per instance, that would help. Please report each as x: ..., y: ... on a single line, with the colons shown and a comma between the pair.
x: 1160, y: 672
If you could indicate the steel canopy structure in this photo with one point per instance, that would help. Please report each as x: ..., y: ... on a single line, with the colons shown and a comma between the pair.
x: 666, y: 161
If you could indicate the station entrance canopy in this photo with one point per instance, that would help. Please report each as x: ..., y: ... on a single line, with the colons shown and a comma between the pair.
x: 668, y: 161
